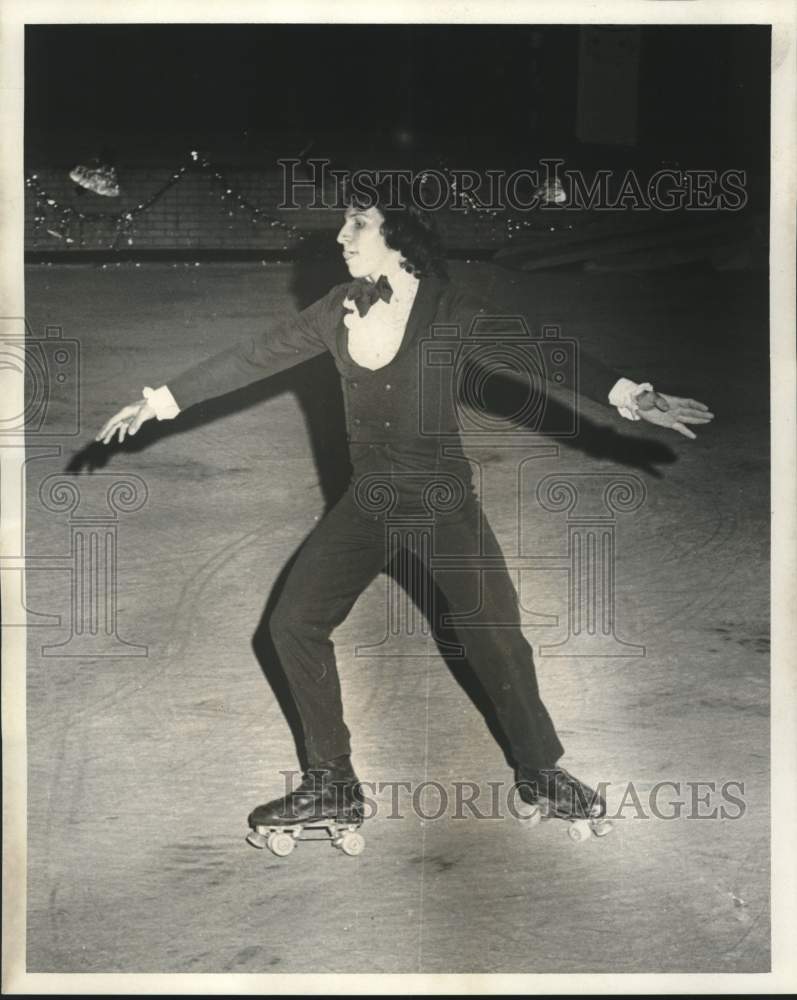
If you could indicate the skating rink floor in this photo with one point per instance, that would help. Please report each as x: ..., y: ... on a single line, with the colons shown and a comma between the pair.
x: 142, y: 768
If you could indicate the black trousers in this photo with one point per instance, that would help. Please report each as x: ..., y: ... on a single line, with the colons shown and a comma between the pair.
x: 344, y: 553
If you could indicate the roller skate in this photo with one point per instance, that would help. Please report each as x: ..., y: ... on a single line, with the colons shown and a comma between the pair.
x: 553, y: 793
x: 327, y: 805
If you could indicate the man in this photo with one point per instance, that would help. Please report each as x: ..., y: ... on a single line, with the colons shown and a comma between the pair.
x: 374, y: 328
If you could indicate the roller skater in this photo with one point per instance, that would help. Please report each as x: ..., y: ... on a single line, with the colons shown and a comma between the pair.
x: 375, y: 327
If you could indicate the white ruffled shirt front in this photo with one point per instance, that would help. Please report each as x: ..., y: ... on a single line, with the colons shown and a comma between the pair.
x: 374, y: 340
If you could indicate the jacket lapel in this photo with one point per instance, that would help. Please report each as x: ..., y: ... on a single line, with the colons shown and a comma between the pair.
x: 423, y: 312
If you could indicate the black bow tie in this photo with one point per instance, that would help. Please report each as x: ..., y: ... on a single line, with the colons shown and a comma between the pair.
x: 365, y: 292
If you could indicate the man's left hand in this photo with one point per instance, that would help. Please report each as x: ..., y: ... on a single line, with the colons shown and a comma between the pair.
x: 673, y: 411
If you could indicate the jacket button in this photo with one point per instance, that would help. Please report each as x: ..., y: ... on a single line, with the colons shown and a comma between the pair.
x: 356, y: 421
x: 387, y: 423
x: 388, y: 386
x: 354, y: 385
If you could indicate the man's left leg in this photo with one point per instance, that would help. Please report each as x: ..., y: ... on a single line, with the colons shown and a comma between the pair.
x: 502, y: 659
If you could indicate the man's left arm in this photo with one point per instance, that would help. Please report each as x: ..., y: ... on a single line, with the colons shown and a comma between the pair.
x: 599, y: 382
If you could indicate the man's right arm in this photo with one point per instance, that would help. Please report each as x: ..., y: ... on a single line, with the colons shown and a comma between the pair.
x: 251, y: 359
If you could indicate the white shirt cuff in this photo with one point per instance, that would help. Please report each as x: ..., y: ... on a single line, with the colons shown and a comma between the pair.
x: 162, y: 402
x: 624, y: 396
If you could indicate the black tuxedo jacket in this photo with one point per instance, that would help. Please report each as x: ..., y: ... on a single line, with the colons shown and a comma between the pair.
x: 407, y: 418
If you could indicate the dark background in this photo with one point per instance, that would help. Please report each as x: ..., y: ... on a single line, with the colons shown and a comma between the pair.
x: 254, y: 92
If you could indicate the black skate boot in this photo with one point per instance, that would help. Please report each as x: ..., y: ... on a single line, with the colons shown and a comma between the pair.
x: 554, y: 793
x: 328, y: 799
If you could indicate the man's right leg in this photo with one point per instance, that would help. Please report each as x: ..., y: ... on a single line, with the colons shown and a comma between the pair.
x: 341, y: 557
x: 334, y: 566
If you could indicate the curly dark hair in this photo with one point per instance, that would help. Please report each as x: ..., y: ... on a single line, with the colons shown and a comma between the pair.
x: 407, y: 228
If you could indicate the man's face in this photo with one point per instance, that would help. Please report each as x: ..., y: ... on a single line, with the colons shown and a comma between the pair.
x: 364, y: 248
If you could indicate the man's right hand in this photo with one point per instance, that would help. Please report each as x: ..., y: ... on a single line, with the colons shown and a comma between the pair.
x: 126, y: 421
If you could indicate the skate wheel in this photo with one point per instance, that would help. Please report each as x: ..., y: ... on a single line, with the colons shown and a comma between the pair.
x: 280, y: 844
x: 352, y: 844
x: 601, y: 827
x: 579, y: 831
x: 257, y: 839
